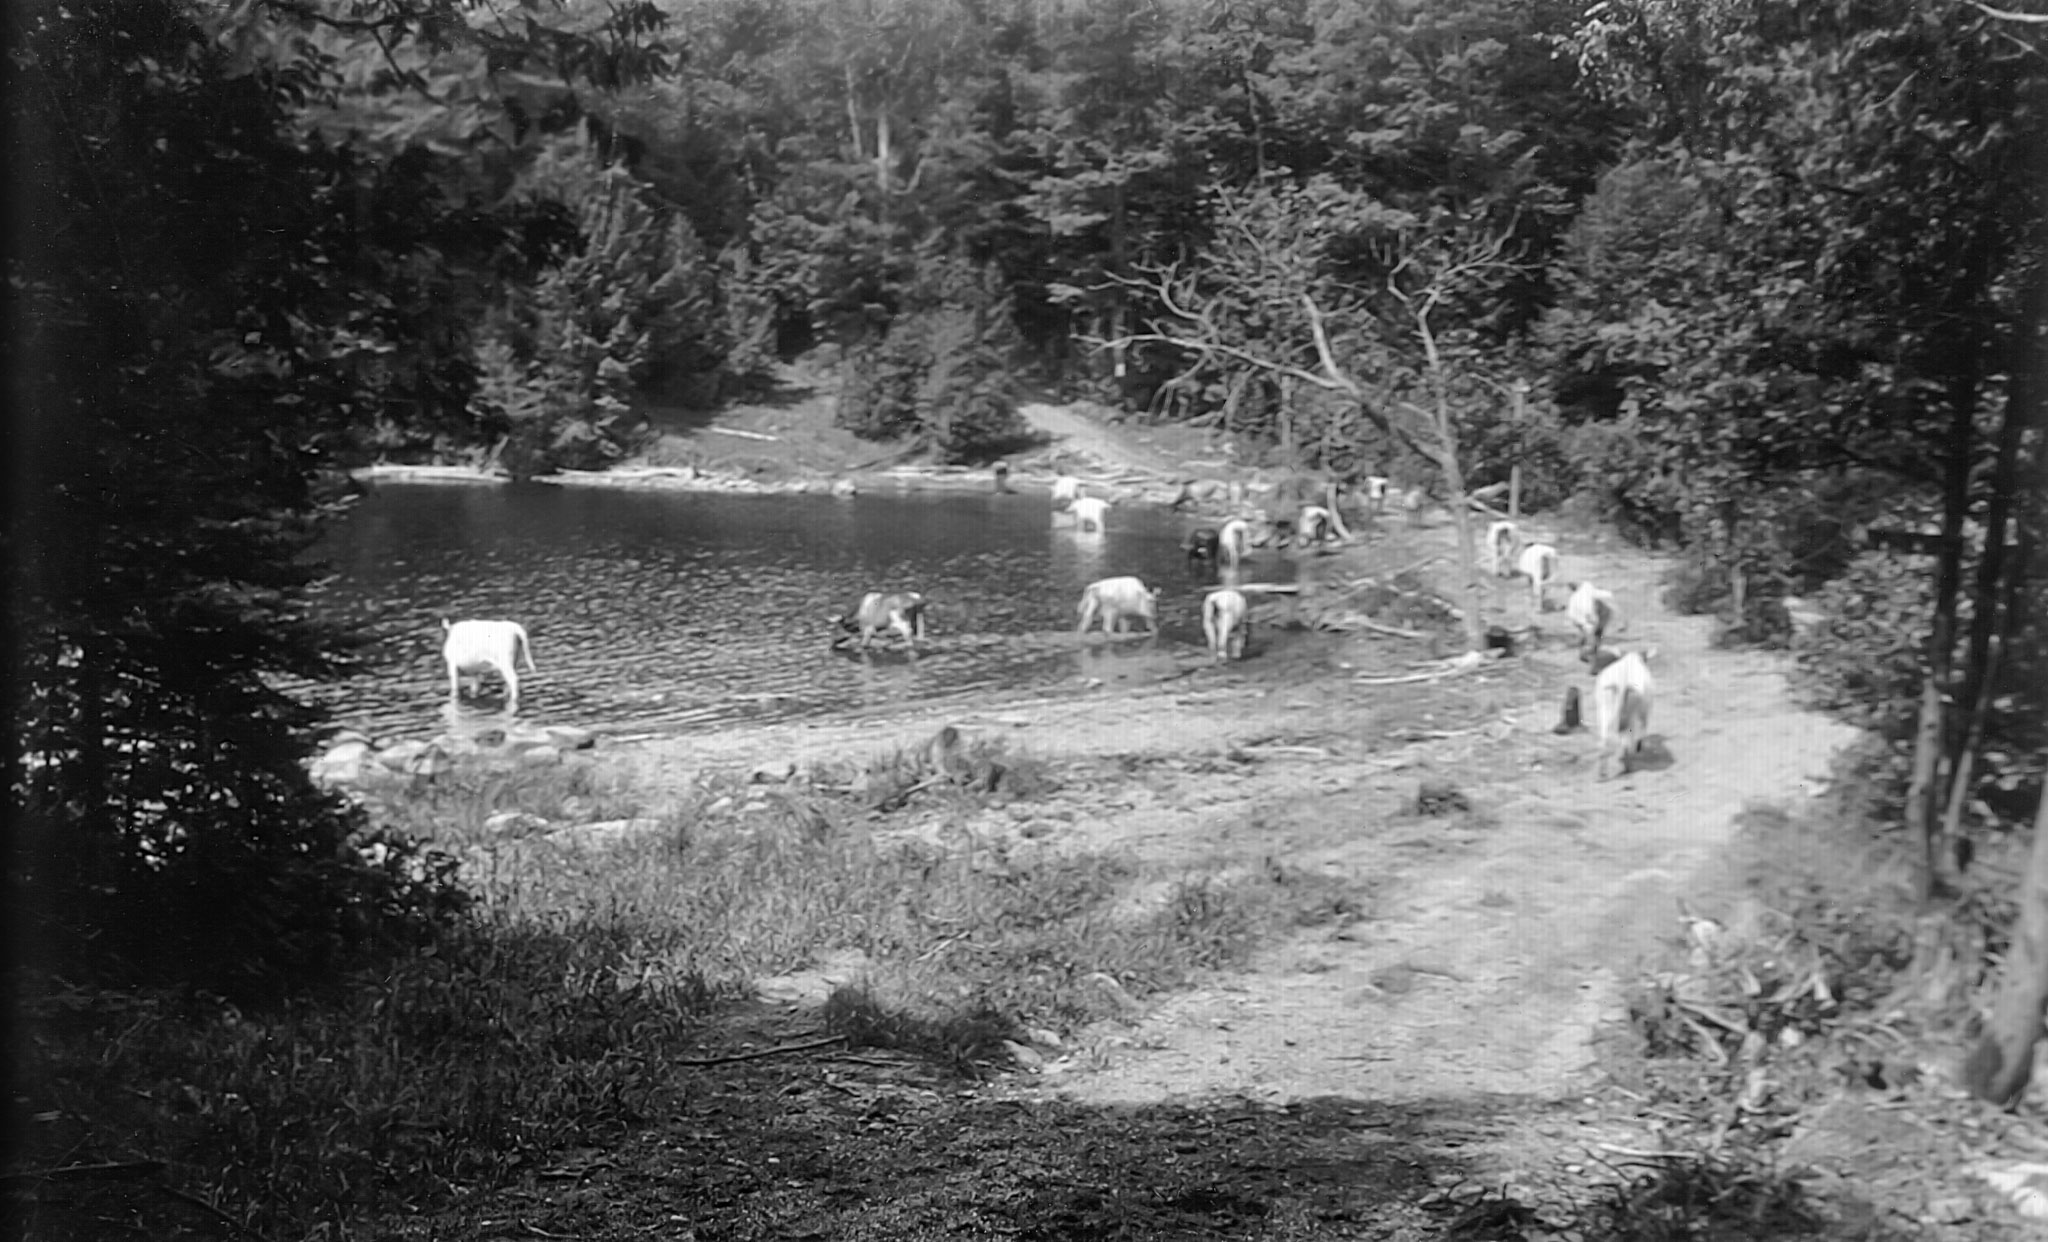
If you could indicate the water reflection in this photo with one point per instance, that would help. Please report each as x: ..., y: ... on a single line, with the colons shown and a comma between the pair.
x: 672, y: 611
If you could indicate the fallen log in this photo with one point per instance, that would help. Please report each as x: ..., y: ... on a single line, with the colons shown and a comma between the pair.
x: 744, y: 435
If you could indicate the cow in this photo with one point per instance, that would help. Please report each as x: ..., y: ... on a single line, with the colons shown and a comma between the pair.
x: 1621, y: 700
x: 1314, y: 525
x: 1113, y: 599
x: 1233, y: 542
x: 1201, y: 546
x: 1538, y: 563
x: 1226, y: 622
x: 1091, y: 513
x: 1501, y: 541
x: 1066, y: 489
x: 1376, y: 493
x: 478, y: 646
x: 901, y: 611
x: 1591, y: 610
x: 1413, y: 502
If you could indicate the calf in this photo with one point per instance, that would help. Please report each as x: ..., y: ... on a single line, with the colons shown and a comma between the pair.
x: 478, y: 646
x: 1621, y: 698
x: 1090, y: 513
x: 1201, y: 546
x: 1233, y: 542
x: 1066, y: 489
x: 1501, y: 539
x: 1538, y: 563
x: 1591, y: 610
x: 1112, y: 599
x: 1226, y: 622
x: 901, y: 611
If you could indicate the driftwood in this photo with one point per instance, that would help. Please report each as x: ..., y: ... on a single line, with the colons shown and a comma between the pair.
x: 744, y: 435
x: 1444, y: 668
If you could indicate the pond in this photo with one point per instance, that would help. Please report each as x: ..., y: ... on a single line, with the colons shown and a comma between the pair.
x: 671, y: 611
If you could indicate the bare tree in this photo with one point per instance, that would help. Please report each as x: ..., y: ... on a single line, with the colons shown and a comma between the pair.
x: 1425, y: 273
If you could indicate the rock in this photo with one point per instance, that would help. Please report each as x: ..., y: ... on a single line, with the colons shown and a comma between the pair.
x: 513, y: 824
x: 399, y: 756
x: 1439, y: 798
x: 607, y: 834
x: 342, y: 764
x: 1023, y: 1054
x: 773, y: 772
x: 569, y: 737
x: 540, y: 757
x: 844, y: 487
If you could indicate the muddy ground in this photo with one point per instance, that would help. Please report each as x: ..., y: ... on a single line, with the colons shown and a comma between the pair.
x: 1360, y: 1081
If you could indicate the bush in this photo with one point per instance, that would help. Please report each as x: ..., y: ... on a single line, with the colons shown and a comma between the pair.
x: 937, y: 376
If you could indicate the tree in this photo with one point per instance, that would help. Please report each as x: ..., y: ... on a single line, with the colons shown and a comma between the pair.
x: 2001, y: 1064
x: 1874, y: 171
x: 214, y: 296
x: 1363, y: 291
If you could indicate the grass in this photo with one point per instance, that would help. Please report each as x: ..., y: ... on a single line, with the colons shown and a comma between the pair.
x: 540, y: 1021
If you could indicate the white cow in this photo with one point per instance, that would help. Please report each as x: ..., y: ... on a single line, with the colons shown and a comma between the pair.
x: 901, y: 611
x: 1538, y: 563
x: 1090, y: 513
x: 1113, y: 599
x: 1591, y: 610
x: 1226, y: 622
x: 1233, y: 542
x: 1066, y: 489
x: 1413, y: 502
x: 1621, y: 697
x: 1314, y: 525
x: 480, y: 646
x: 1501, y: 541
x: 1376, y: 492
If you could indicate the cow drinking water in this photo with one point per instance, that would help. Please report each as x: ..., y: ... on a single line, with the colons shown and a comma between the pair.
x: 899, y: 611
x: 1226, y: 623
x: 484, y: 646
x: 1113, y: 599
x: 1091, y: 513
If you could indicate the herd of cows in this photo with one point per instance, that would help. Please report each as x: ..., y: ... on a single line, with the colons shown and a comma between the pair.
x: 1622, y: 683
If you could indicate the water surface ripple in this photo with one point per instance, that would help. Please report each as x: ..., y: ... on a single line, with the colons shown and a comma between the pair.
x: 674, y: 611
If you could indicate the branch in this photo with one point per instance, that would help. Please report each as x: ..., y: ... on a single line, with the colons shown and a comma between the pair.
x: 701, y: 1062
x: 2032, y: 19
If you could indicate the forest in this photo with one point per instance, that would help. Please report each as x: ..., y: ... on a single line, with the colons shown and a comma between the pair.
x: 1763, y: 283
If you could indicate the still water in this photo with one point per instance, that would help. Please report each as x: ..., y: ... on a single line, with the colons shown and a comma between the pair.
x: 675, y: 612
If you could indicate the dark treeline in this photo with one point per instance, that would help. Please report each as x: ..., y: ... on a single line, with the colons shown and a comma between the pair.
x: 1747, y: 280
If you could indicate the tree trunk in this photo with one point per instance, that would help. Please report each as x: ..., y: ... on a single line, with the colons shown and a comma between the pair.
x: 1461, y: 516
x: 1924, y: 792
x: 1999, y: 1068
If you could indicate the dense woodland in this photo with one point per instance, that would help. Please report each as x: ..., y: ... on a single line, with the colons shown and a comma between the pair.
x: 1750, y: 279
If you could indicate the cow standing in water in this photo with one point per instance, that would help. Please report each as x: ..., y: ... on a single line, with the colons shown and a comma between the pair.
x: 1091, y: 514
x: 900, y: 611
x: 486, y: 646
x: 1113, y: 599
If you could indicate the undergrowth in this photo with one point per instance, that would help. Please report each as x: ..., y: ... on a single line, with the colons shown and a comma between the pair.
x: 547, y: 1014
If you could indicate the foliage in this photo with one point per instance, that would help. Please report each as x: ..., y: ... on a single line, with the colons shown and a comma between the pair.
x: 938, y: 373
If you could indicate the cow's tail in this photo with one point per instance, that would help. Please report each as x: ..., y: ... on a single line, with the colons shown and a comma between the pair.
x: 526, y: 650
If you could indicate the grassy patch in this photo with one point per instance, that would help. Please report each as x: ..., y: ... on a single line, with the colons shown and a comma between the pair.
x: 553, y: 1014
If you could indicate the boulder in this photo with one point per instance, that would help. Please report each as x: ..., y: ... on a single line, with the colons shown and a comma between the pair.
x: 608, y: 834
x: 569, y: 737
x: 513, y: 824
x: 540, y: 757
x: 343, y: 764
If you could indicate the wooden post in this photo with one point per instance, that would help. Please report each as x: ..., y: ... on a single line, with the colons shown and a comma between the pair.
x: 1514, y: 494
